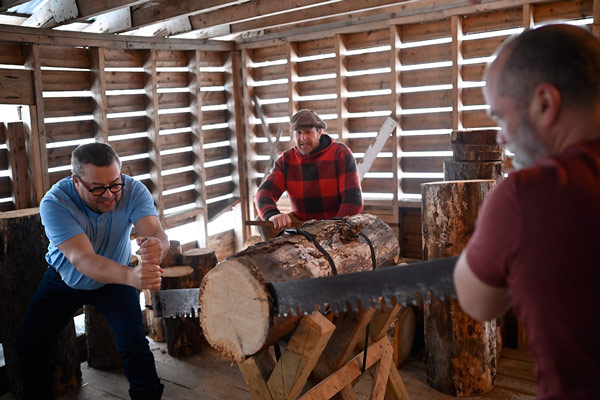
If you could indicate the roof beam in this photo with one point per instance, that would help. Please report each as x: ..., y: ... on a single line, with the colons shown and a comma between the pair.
x: 51, y: 15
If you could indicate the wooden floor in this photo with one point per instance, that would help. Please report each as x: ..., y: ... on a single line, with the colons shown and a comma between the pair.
x: 210, y: 377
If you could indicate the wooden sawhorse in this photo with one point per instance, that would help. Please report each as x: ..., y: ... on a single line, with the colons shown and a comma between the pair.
x: 327, y: 351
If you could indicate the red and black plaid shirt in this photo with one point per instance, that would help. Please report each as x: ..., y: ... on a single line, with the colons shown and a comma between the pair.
x: 320, y: 185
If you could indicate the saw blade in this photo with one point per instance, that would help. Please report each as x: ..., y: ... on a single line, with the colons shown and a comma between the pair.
x: 403, y: 284
x: 174, y: 303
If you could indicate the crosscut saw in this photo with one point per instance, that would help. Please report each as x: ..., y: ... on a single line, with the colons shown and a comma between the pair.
x: 403, y: 284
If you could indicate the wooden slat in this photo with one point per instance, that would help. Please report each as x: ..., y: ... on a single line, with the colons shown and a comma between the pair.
x: 125, y: 103
x: 68, y: 106
x: 362, y: 62
x: 172, y: 79
x: 16, y: 86
x: 219, y: 171
x: 118, y: 58
x: 425, y: 30
x: 439, y: 142
x: 64, y: 57
x: 3, y: 159
x: 56, y: 176
x: 223, y: 243
x: 562, y: 10
x: 131, y: 147
x: 367, y: 39
x: 178, y: 180
x: 435, y: 98
x: 377, y: 185
x: 360, y: 145
x: 209, y: 78
x: 273, y: 91
x: 54, y: 80
x: 426, y: 77
x: 5, y: 188
x: 310, y: 88
x: 218, y: 153
x: 21, y: 192
x: 177, y: 160
x: 214, y: 117
x: 316, y: 67
x: 179, y: 199
x: 60, y: 156
x: 368, y: 103
x: 365, y: 124
x: 172, y: 121
x: 477, y: 119
x: 367, y: 82
x: 120, y: 80
x: 208, y: 58
x: 426, y: 54
x: 220, y: 207
x: 472, y: 96
x: 422, y: 164
x: 493, y: 20
x: 220, y: 189
x: 216, y: 135
x: 173, y: 100
x: 136, y: 167
x: 120, y: 126
x: 176, y: 140
x: 481, y: 47
x: 269, y: 72
x: 269, y: 53
x: 172, y: 58
x: 472, y: 72
x: 413, y: 185
x: 11, y: 54
x: 427, y: 121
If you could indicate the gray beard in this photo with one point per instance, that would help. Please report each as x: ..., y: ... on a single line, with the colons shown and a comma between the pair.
x: 526, y: 145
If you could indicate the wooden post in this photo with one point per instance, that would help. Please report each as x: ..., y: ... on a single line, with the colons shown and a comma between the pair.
x: 22, y: 266
x: 184, y: 334
x: 461, y: 352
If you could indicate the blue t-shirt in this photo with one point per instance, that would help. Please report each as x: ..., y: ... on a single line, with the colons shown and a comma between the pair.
x: 64, y: 215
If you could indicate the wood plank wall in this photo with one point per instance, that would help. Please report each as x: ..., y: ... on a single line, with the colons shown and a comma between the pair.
x: 168, y: 113
x: 426, y: 75
x: 185, y: 124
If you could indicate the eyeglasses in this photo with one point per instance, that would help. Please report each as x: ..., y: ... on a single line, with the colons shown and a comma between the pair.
x: 99, y: 190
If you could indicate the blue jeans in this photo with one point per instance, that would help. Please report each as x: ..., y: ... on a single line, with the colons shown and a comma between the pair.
x: 53, y: 306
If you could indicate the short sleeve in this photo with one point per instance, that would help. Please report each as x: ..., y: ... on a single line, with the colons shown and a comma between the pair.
x: 495, y: 241
x: 142, y: 203
x: 59, y: 222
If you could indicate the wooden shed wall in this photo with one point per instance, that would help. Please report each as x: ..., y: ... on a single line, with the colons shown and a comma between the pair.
x: 182, y: 116
x: 427, y: 75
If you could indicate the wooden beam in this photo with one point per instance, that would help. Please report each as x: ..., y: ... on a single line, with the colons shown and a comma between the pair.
x: 457, y: 34
x: 341, y: 87
x: 98, y: 80
x: 412, y: 11
x: 52, y: 37
x: 167, y: 10
x: 15, y: 138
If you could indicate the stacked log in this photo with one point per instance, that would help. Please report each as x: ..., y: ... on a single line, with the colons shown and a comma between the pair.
x: 184, y: 334
x: 461, y: 352
x: 236, y: 315
x: 475, y: 155
x: 22, y: 266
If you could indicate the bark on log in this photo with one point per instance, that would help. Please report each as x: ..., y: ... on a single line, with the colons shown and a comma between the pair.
x: 235, y: 313
x: 102, y: 352
x: 461, y: 352
x: 464, y: 170
x: 23, y: 246
x: 184, y: 334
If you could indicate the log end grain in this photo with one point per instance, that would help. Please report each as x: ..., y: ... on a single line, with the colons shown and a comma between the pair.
x: 235, y: 310
x: 177, y: 271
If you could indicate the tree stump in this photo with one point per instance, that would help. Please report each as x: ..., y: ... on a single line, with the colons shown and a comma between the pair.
x: 23, y: 246
x: 155, y: 325
x: 184, y: 334
x: 236, y: 309
x: 476, y: 155
x: 101, y: 345
x: 461, y: 352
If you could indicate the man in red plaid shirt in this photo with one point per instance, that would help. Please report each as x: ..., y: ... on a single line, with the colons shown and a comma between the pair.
x: 319, y: 175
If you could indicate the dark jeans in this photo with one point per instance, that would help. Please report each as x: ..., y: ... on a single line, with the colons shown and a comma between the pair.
x: 50, y: 309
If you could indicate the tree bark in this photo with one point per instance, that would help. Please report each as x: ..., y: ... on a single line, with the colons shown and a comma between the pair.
x: 236, y: 308
x: 23, y: 246
x: 461, y: 352
x: 102, y: 352
x: 184, y: 334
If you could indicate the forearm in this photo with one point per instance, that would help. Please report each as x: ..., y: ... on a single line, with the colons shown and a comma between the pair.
x: 102, y: 269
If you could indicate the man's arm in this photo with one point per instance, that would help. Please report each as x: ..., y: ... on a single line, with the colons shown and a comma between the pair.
x: 478, y: 299
x: 80, y: 252
x: 349, y: 185
x: 269, y: 191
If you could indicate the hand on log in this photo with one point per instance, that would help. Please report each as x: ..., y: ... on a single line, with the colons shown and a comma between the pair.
x: 150, y: 250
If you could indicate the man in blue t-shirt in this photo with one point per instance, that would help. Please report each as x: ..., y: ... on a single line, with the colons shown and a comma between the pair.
x: 88, y: 219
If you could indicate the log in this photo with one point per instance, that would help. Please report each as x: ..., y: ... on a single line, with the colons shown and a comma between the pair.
x: 184, y: 334
x: 461, y: 352
x: 464, y: 170
x: 236, y: 309
x: 475, y: 155
x: 101, y: 345
x: 22, y: 266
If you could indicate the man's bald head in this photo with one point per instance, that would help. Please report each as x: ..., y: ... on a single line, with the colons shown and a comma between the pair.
x: 566, y: 56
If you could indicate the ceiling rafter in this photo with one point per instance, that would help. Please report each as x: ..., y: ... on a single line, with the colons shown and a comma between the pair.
x: 6, y: 4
